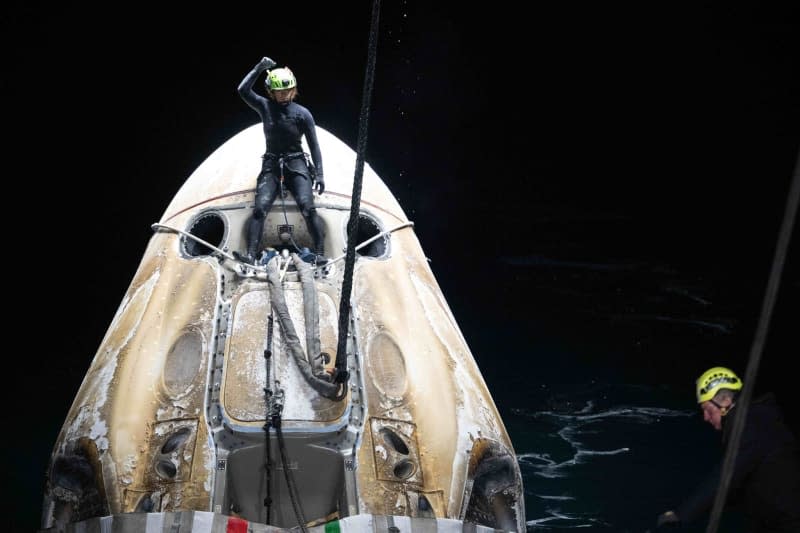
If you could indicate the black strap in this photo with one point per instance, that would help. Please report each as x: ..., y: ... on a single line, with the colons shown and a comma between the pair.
x: 340, y: 372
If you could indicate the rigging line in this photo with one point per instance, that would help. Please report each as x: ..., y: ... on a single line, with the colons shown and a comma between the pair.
x: 268, y: 402
x: 196, y: 238
x: 258, y: 269
x: 283, y: 205
x: 340, y: 372
x: 756, y: 349
x: 373, y: 238
x: 291, y: 485
x: 261, y: 268
x: 285, y: 269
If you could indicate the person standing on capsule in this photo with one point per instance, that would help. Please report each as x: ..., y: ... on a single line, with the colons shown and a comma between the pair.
x: 285, y: 122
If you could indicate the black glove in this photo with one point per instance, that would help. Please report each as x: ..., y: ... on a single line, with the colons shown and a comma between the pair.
x: 667, y: 520
x: 266, y: 63
x: 319, y: 183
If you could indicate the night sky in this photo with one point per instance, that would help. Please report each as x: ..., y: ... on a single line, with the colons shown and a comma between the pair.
x: 558, y: 163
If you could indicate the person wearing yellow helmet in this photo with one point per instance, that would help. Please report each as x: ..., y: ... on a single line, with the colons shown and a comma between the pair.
x: 285, y: 122
x: 766, y: 475
x: 716, y: 392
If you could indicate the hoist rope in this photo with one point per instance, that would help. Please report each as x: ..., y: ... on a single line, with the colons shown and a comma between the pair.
x: 340, y: 373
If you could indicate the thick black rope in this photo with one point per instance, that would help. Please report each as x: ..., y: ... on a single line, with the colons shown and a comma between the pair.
x: 743, y: 402
x: 340, y: 373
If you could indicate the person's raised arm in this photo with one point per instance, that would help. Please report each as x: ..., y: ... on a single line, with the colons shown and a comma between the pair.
x: 246, y: 85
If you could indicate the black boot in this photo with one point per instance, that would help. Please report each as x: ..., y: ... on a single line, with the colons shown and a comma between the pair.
x: 317, y: 230
x: 319, y: 254
x: 254, y: 229
x: 248, y: 258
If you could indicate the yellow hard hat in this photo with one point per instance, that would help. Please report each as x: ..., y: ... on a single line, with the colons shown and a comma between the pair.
x: 715, y: 379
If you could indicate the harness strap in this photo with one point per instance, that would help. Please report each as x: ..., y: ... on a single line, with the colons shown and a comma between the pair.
x: 284, y: 157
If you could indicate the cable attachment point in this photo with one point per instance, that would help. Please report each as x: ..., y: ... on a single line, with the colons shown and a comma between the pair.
x: 276, y: 407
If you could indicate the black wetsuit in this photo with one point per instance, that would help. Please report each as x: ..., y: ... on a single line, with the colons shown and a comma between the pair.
x: 284, y: 126
x: 766, y: 477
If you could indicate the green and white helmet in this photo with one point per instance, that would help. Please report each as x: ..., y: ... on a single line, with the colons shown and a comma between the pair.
x: 280, y: 78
